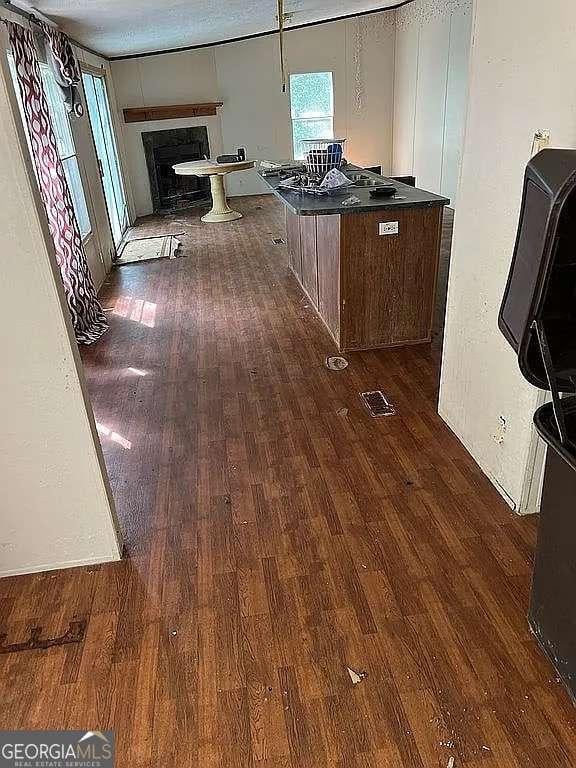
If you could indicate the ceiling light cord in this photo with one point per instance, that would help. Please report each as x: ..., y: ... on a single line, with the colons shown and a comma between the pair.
x: 281, y: 42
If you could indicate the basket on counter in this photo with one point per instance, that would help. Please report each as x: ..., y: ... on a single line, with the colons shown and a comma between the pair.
x: 322, y: 155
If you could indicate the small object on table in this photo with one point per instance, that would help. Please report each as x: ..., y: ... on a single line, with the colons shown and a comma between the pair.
x: 221, y: 159
x: 220, y: 211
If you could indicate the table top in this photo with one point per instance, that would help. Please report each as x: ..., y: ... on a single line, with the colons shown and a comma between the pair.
x: 309, y: 205
x: 211, y: 167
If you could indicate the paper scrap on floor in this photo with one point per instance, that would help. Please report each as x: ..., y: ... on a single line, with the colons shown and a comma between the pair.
x: 145, y: 249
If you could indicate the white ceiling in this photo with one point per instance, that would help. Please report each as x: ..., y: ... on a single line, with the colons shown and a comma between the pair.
x: 119, y: 27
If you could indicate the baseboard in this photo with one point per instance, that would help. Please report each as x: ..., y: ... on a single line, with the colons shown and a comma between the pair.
x: 502, y: 491
x: 58, y: 566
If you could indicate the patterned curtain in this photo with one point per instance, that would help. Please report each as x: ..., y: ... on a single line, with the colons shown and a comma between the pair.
x: 88, y: 318
x: 64, y: 67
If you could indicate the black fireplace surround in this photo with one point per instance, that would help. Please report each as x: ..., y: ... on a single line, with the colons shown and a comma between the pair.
x: 163, y: 149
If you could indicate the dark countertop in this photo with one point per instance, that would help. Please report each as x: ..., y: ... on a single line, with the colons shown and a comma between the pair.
x: 310, y: 205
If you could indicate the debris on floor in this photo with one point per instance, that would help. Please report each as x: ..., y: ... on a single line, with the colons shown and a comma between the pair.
x: 451, y: 763
x: 148, y: 248
x: 356, y: 677
x: 377, y: 404
x: 74, y: 634
x: 342, y: 412
x: 336, y: 363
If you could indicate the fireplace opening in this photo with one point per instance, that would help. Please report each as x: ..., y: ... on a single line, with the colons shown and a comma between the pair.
x: 163, y: 149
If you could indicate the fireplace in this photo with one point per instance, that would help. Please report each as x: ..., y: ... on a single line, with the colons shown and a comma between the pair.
x: 163, y: 149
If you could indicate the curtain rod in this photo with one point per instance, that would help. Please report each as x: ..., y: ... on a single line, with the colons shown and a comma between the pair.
x: 35, y: 17
x: 28, y: 15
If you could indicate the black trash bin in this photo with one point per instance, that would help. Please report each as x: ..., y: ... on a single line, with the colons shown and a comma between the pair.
x: 538, y: 318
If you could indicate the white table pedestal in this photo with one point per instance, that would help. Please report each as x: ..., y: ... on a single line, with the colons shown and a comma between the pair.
x: 220, y: 211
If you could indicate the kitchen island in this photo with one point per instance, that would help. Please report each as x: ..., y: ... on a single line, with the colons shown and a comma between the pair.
x: 369, y: 269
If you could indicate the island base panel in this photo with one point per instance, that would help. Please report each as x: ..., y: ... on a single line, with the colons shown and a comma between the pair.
x: 371, y: 290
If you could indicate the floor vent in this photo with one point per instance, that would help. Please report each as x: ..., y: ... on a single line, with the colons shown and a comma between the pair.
x: 279, y: 241
x: 377, y: 404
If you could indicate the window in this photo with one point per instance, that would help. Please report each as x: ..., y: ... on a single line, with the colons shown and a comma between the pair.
x: 312, y: 108
x: 64, y: 141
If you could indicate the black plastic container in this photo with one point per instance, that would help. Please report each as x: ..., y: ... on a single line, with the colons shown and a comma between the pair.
x: 538, y: 313
x: 538, y: 317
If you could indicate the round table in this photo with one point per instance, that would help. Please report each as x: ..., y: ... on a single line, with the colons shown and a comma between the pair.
x: 221, y: 211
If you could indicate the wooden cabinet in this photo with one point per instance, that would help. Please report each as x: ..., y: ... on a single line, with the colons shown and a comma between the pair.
x: 293, y: 243
x: 328, y: 257
x: 388, y: 282
x: 309, y: 257
x: 372, y: 290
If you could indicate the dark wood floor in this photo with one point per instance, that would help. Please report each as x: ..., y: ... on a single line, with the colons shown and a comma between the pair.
x: 276, y: 536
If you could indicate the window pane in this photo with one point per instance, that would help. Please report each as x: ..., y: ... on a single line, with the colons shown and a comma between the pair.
x: 58, y: 113
x: 77, y: 191
x: 310, y: 129
x: 101, y: 151
x: 105, y: 141
x: 311, y: 95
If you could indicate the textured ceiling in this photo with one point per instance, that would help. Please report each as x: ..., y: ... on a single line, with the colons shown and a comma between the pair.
x: 119, y: 27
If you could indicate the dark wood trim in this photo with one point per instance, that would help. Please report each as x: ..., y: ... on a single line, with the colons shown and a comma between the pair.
x: 257, y: 34
x: 170, y: 112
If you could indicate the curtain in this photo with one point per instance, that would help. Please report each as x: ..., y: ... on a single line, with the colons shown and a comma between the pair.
x: 88, y: 318
x: 64, y: 66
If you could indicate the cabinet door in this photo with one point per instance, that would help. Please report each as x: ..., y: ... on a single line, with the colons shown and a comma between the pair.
x: 328, y: 250
x: 389, y: 281
x: 293, y: 243
x: 309, y: 257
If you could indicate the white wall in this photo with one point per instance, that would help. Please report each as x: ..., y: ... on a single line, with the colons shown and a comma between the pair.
x: 55, y: 507
x: 174, y: 78
x: 522, y: 79
x: 246, y: 77
x: 431, y: 84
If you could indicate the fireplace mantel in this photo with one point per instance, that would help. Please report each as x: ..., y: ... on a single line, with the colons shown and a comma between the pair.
x: 173, y: 112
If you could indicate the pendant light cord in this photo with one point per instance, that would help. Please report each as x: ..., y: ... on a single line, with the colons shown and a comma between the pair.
x: 281, y: 42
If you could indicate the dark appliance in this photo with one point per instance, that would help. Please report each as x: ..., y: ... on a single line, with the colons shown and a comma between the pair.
x: 538, y: 318
x: 410, y: 180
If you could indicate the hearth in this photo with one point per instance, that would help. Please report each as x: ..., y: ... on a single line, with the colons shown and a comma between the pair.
x: 163, y: 149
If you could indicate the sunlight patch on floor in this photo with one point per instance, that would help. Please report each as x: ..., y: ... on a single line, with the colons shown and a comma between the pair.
x: 113, y: 436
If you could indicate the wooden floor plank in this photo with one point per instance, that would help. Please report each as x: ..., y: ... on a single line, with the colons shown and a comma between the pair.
x: 277, y: 535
